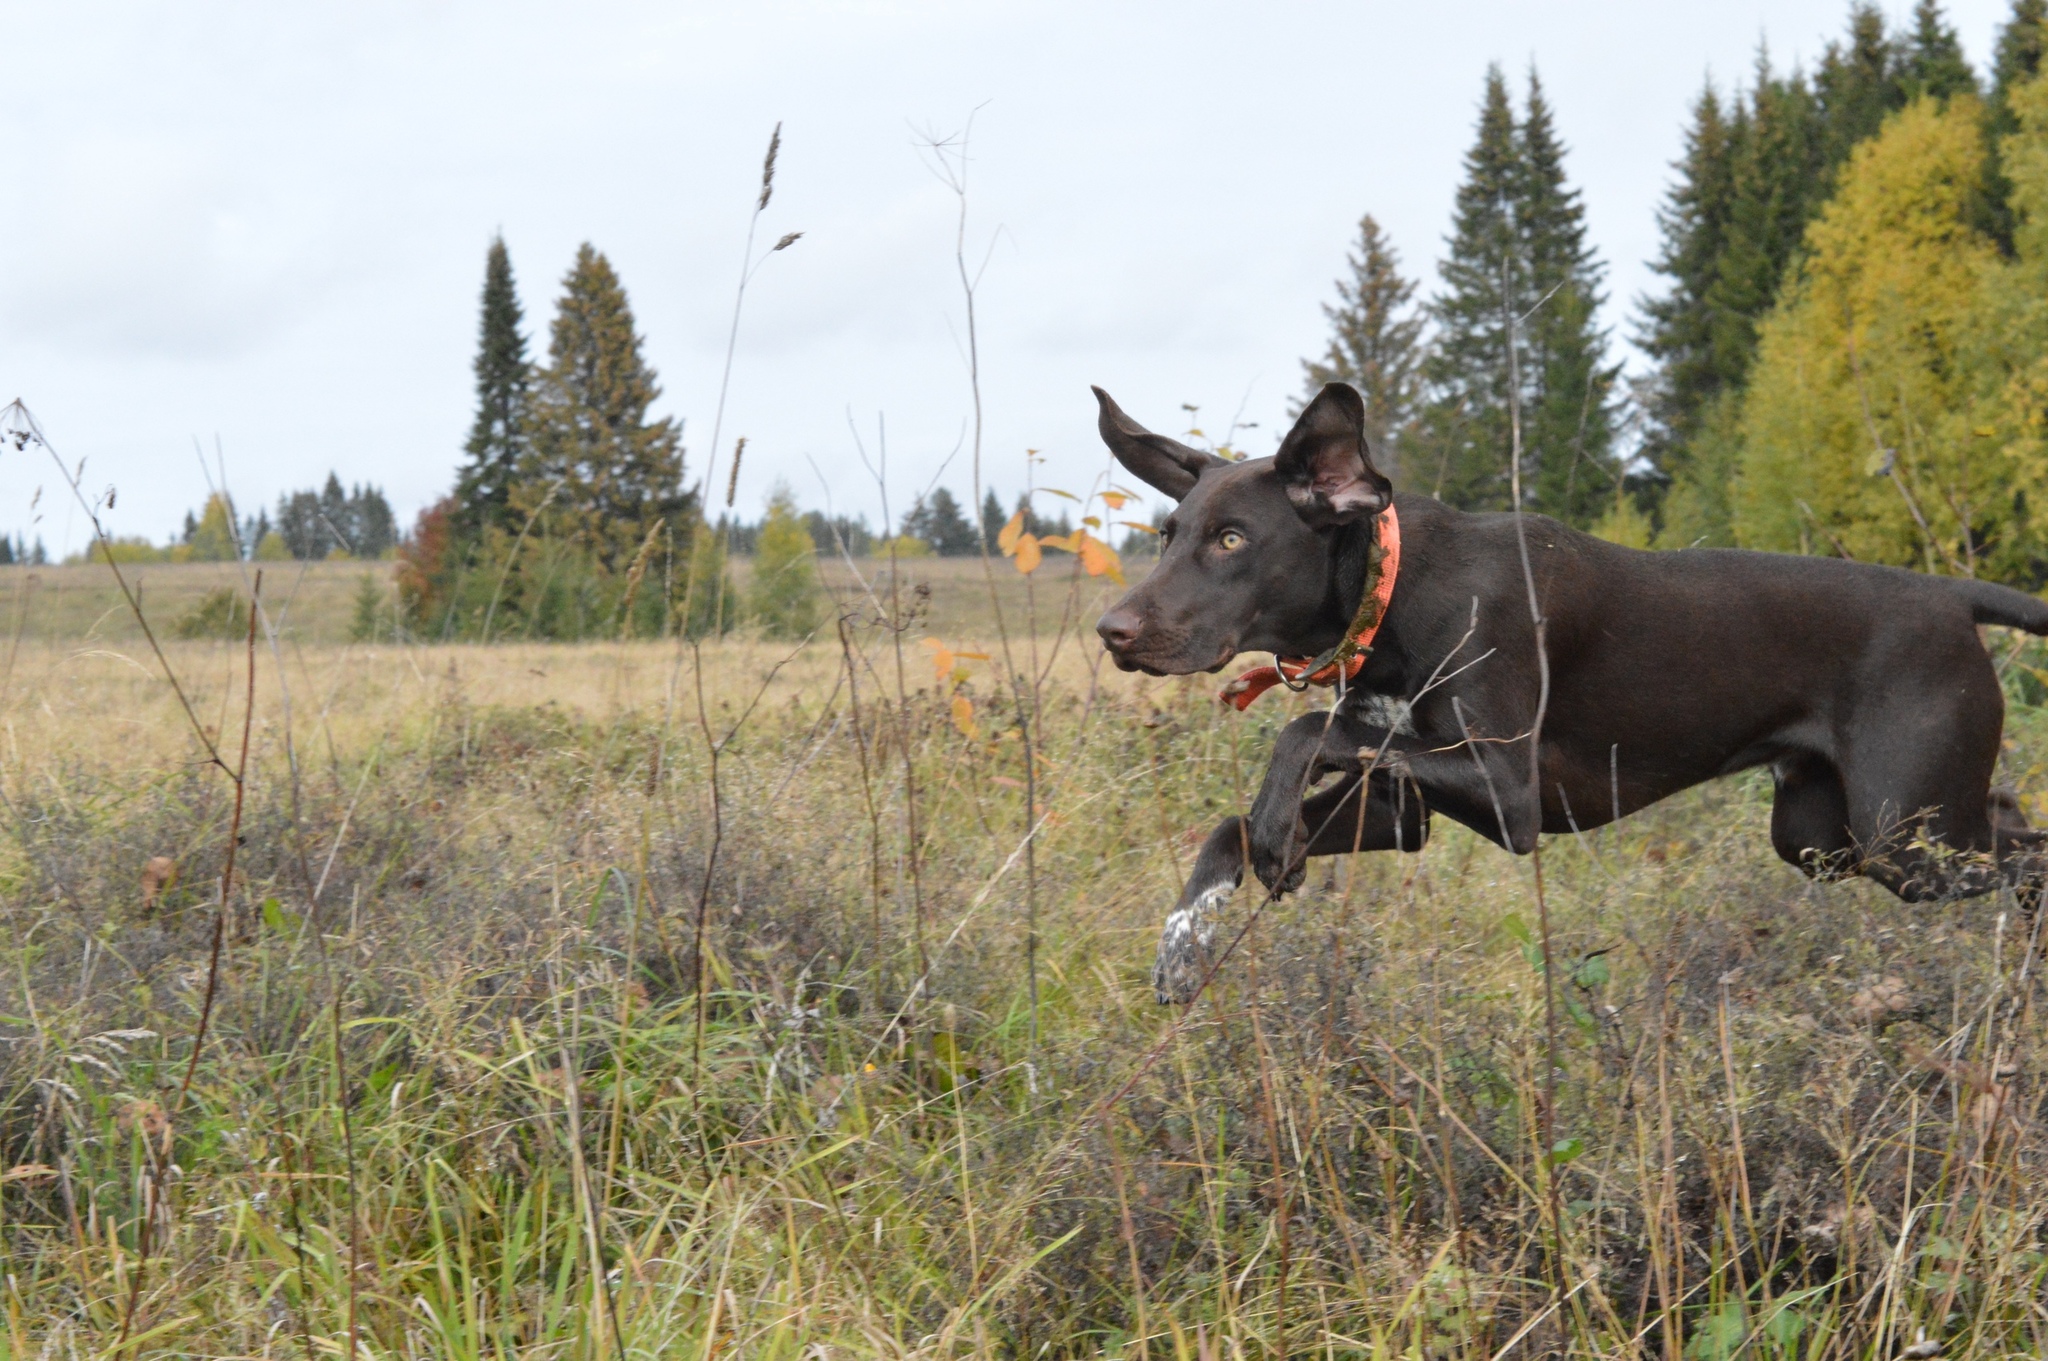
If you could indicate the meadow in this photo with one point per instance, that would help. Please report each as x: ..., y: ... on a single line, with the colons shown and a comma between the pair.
x: 789, y: 999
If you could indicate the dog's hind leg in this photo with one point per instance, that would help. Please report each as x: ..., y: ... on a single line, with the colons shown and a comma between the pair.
x: 2020, y: 848
x: 1392, y: 818
x: 1810, y: 817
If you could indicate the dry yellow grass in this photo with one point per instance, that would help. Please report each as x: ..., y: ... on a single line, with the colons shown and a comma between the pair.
x: 461, y: 1095
x: 315, y: 602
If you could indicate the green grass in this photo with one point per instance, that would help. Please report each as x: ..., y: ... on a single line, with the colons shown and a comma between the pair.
x: 470, y: 1101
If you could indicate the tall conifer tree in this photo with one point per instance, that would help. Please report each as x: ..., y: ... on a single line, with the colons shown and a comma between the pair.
x: 2018, y: 56
x: 2015, y: 60
x: 1518, y: 250
x: 1933, y: 58
x: 1464, y: 456
x: 1861, y: 79
x: 497, y: 439
x: 1375, y: 345
x: 1677, y: 329
x: 1568, y: 416
x: 619, y: 471
x: 1776, y: 178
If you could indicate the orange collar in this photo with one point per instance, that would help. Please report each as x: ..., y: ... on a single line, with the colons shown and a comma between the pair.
x: 1347, y: 659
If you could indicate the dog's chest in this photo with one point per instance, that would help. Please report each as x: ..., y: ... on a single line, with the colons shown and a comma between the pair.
x: 1386, y: 711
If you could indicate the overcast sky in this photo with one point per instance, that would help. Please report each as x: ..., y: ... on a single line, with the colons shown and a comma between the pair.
x: 267, y: 223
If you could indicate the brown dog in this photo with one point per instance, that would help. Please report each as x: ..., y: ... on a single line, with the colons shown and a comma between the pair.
x: 1865, y: 689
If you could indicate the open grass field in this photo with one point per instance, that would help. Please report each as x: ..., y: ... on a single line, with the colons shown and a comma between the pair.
x: 315, y: 603
x: 649, y: 1001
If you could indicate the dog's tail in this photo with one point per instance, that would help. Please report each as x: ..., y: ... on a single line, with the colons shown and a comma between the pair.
x: 1994, y: 604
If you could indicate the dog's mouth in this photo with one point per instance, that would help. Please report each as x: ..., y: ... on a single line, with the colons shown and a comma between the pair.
x: 1178, y: 665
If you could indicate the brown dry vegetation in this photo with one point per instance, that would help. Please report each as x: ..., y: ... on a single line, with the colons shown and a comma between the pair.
x: 461, y: 1097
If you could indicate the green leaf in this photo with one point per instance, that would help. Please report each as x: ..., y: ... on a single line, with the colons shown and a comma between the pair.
x: 1564, y: 1151
x: 380, y: 1081
x: 278, y: 919
x: 1592, y: 972
x: 1718, y: 1333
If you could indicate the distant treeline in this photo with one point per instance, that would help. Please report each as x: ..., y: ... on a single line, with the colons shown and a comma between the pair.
x: 328, y: 523
x: 935, y: 524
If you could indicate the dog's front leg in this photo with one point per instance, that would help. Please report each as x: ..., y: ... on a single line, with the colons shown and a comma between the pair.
x: 1187, y: 944
x: 1306, y: 750
x: 1392, y: 817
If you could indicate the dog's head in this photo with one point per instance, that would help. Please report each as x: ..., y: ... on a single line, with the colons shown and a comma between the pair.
x: 1248, y: 560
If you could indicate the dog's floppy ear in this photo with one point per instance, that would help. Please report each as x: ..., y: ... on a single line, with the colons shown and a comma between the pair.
x: 1326, y: 463
x: 1155, y: 460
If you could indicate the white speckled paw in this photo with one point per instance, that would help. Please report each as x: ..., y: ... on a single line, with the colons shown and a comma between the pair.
x: 1185, y: 958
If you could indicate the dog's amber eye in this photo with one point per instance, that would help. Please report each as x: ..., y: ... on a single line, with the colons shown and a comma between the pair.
x: 1230, y: 540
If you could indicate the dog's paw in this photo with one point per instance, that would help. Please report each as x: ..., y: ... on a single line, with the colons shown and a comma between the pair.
x: 1277, y: 861
x: 1186, y: 944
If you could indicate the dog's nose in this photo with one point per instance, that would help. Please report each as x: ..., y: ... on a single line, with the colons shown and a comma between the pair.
x: 1119, y: 629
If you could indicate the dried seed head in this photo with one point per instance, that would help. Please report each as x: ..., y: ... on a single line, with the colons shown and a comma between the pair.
x: 732, y: 481
x: 768, y: 168
x: 159, y: 875
x: 788, y: 240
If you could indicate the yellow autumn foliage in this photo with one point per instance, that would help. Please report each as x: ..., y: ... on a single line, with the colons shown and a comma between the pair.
x: 1857, y: 432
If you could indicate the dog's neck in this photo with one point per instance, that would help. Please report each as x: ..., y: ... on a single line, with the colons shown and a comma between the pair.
x: 1349, y: 569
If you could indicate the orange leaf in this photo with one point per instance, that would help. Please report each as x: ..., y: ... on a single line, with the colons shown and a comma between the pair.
x: 963, y: 716
x: 1028, y: 554
x: 1065, y: 544
x: 942, y: 657
x: 1114, y: 499
x: 1007, y: 540
x: 1143, y: 529
x: 1099, y: 559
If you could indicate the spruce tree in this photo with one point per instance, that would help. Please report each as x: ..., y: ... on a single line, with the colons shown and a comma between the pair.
x: 497, y: 439
x: 1518, y: 251
x: 1776, y: 179
x: 1464, y: 453
x: 937, y: 520
x: 370, y: 519
x: 2017, y: 57
x: 1861, y: 79
x: 1753, y: 177
x: 336, y: 524
x: 2015, y: 60
x: 1375, y: 344
x: 298, y: 523
x: 1568, y: 414
x: 1933, y: 59
x: 992, y: 519
x: 619, y: 472
x: 1677, y: 329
